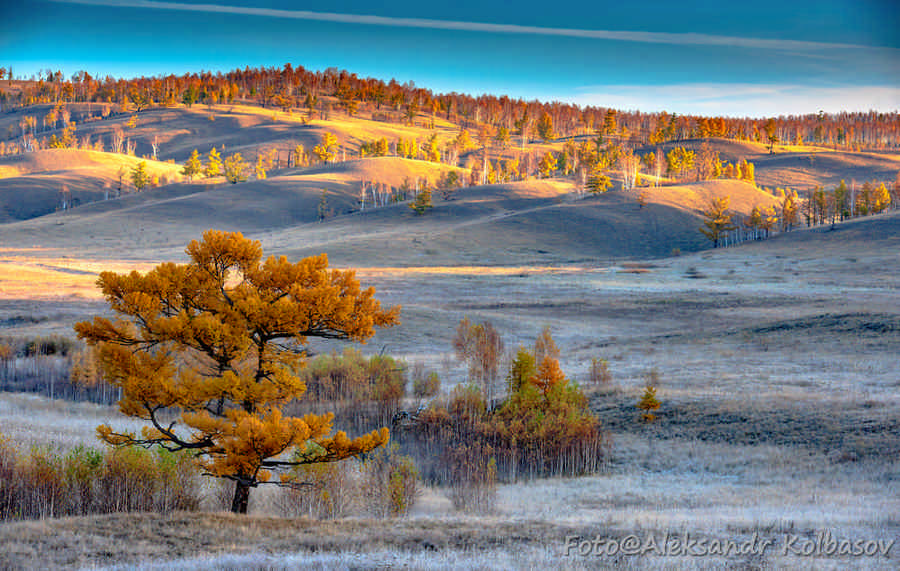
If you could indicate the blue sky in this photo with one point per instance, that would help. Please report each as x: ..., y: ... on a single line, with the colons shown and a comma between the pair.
x: 753, y: 59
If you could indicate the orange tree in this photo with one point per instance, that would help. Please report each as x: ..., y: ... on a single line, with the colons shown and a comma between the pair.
x: 208, y: 353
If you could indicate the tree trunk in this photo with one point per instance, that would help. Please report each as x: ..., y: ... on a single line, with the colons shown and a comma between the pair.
x: 241, y: 498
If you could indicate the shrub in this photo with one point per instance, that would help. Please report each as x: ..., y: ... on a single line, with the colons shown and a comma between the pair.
x: 325, y: 491
x: 47, y: 483
x: 472, y: 477
x: 389, y: 482
x: 427, y: 387
x: 600, y: 374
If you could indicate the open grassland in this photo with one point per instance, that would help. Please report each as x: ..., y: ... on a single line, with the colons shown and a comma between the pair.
x: 780, y: 408
x: 776, y: 360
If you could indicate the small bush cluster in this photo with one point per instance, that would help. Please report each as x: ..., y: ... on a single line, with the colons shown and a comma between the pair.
x: 45, y: 483
x: 54, y: 366
x: 472, y: 477
x: 383, y: 484
x: 363, y: 392
x: 543, y: 427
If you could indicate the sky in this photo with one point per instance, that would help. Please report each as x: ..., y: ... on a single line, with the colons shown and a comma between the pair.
x: 753, y: 59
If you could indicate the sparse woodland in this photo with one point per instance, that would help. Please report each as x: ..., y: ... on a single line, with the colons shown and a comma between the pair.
x: 499, y: 139
x: 213, y: 355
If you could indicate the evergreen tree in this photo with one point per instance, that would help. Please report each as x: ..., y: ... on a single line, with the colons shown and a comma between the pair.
x: 213, y: 163
x: 598, y: 181
x: 422, y: 202
x: 326, y: 150
x: 718, y: 221
x: 139, y: 177
x: 235, y: 168
x: 260, y: 168
x: 192, y: 166
x: 545, y: 127
x: 547, y: 164
x: 208, y: 356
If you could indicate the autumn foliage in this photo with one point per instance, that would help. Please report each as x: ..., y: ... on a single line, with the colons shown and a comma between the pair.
x: 543, y: 427
x: 208, y: 353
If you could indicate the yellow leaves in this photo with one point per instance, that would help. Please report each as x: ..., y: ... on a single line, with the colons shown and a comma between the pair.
x: 105, y: 433
x: 207, y: 338
x: 549, y: 374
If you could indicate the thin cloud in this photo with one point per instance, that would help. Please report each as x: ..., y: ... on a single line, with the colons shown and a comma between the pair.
x: 623, y: 36
x: 740, y: 100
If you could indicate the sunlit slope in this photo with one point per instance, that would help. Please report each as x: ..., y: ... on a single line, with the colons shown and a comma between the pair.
x: 31, y: 183
x: 172, y: 215
x: 235, y: 128
x: 797, y: 167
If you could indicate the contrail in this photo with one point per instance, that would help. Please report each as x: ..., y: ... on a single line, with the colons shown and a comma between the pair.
x: 617, y: 35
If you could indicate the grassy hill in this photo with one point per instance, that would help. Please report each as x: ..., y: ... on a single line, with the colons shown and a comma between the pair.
x: 30, y: 183
x: 521, y: 222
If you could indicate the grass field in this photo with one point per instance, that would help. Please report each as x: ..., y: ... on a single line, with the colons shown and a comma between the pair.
x: 776, y: 360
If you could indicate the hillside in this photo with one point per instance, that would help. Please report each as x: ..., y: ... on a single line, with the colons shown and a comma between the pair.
x: 31, y: 183
x: 521, y: 222
x: 796, y: 167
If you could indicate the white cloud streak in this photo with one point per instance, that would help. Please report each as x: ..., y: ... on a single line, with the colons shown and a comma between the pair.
x: 623, y: 36
x: 739, y: 99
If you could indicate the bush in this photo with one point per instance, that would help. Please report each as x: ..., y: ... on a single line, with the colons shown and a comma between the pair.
x: 472, y: 477
x: 544, y: 428
x: 390, y: 482
x: 47, y: 483
x: 600, y: 374
x: 328, y: 490
x: 425, y: 386
x: 364, y: 393
x: 384, y: 484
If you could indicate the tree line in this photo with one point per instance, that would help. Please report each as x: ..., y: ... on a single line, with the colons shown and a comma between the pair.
x: 319, y: 92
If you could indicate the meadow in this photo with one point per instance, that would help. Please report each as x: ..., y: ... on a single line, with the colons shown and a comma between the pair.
x: 775, y: 360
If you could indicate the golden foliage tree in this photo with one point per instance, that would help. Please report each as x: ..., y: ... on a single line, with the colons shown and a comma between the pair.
x: 717, y: 220
x: 326, y: 150
x: 208, y: 353
x: 235, y: 168
x: 213, y: 163
x: 139, y: 177
x: 192, y: 166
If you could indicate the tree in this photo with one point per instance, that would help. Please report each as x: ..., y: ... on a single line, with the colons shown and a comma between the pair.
x: 481, y: 346
x: 881, y: 198
x: 260, y: 168
x: 598, y: 181
x: 326, y: 150
x: 235, y: 168
x: 213, y: 163
x: 771, y: 135
x: 139, y: 177
x: 545, y: 346
x: 422, y: 202
x: 609, y: 123
x: 642, y: 200
x: 789, y: 211
x: 648, y: 403
x: 207, y: 352
x: 768, y: 219
x: 502, y: 137
x: 717, y: 222
x: 522, y: 370
x: 322, y: 210
x: 547, y: 164
x: 192, y: 166
x: 545, y: 127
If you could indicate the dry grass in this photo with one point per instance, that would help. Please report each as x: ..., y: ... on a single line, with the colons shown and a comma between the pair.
x: 777, y: 362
